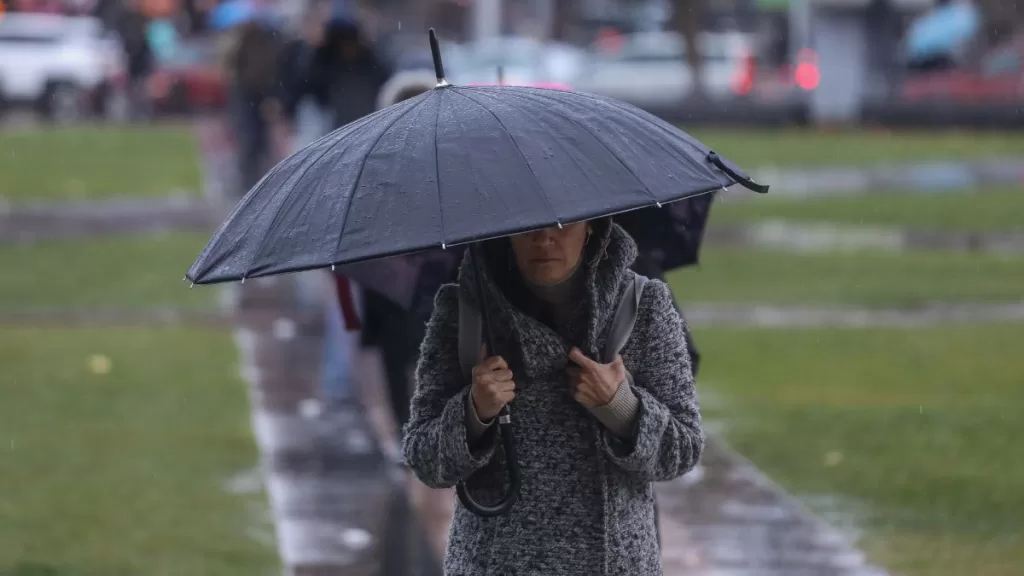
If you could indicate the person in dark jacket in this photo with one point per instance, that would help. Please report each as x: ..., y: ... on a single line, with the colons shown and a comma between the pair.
x: 298, y: 86
x: 348, y: 72
x: 252, y: 68
x: 592, y: 436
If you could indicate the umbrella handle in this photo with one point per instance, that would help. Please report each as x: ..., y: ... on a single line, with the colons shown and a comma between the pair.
x: 508, y: 440
x: 515, y: 475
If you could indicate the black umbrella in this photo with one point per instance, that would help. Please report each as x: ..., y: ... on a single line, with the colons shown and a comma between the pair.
x: 458, y: 165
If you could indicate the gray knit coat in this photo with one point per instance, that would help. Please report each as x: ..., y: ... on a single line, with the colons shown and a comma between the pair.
x: 586, y: 504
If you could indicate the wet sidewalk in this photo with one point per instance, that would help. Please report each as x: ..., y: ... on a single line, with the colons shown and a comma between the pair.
x: 736, y: 522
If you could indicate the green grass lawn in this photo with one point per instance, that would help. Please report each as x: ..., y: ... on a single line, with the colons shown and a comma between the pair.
x: 134, y: 272
x: 866, y: 278
x: 918, y: 431
x: 121, y: 474
x: 97, y: 161
x: 795, y: 147
x: 998, y: 209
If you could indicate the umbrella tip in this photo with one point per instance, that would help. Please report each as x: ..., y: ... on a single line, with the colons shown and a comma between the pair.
x: 435, y: 51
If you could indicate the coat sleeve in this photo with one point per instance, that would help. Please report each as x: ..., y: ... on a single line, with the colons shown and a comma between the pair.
x: 668, y: 439
x: 436, y: 444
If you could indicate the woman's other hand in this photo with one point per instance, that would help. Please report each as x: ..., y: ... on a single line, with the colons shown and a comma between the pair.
x: 591, y: 383
x: 493, y: 386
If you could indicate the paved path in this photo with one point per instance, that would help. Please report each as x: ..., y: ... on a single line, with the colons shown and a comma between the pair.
x: 839, y: 316
x: 922, y: 177
x: 122, y: 216
x: 827, y: 237
x: 739, y: 523
x: 339, y: 506
x: 697, y: 314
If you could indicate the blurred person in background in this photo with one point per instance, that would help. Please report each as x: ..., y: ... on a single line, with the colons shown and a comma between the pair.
x: 163, y: 37
x: 303, y: 98
x: 350, y: 70
x: 131, y: 26
x: 251, y: 63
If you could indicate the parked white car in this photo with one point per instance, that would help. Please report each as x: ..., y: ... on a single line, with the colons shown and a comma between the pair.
x: 650, y: 68
x: 58, y: 64
x: 523, y: 60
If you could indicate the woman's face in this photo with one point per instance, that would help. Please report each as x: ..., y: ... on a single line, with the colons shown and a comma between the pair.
x: 549, y: 256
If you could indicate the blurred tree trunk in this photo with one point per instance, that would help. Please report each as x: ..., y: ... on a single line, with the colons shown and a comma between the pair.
x: 687, y: 16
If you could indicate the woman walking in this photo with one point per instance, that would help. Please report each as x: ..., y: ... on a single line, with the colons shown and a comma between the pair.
x: 591, y: 436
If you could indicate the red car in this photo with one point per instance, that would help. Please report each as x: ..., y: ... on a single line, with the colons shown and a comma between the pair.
x: 997, y: 77
x: 189, y: 81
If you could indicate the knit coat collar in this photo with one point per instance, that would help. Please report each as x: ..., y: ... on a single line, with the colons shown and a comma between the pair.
x: 607, y: 260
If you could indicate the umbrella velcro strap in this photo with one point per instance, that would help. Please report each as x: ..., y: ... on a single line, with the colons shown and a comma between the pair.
x: 741, y: 180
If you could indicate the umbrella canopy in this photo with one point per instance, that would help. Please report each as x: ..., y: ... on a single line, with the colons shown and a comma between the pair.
x: 457, y: 165
x: 667, y: 238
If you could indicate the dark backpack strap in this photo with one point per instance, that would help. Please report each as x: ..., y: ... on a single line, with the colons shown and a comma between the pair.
x: 625, y: 317
x: 471, y: 335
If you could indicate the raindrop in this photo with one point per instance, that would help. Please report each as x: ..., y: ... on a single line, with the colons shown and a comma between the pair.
x: 284, y: 329
x: 833, y: 458
x: 356, y: 538
x: 399, y: 24
x: 310, y: 408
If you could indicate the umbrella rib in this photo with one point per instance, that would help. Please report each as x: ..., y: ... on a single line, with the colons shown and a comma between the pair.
x: 574, y: 160
x: 280, y: 207
x: 540, y: 188
x: 611, y: 153
x: 437, y: 177
x: 362, y: 166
